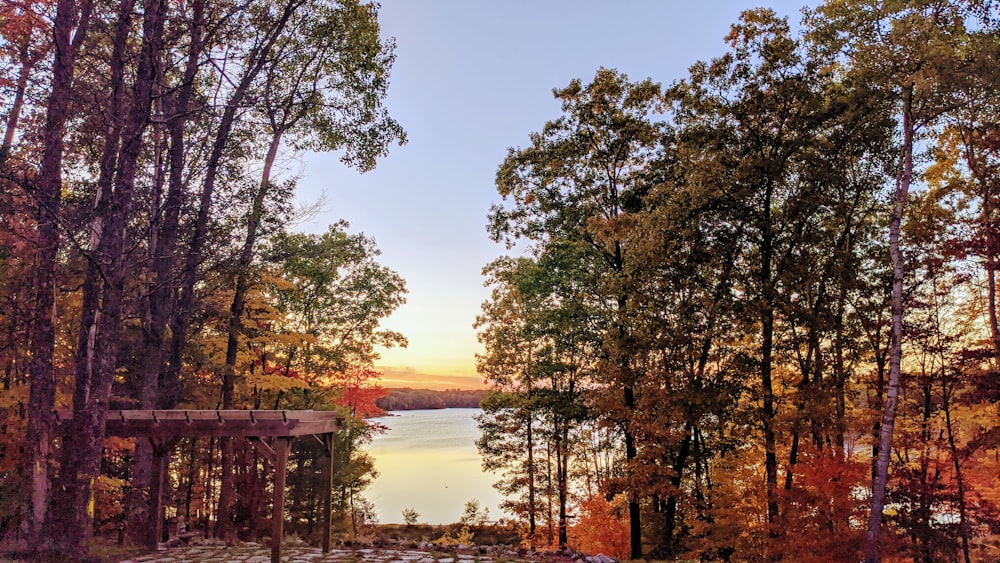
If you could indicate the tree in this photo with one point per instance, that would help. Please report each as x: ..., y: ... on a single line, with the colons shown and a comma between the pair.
x: 919, y: 53
x: 325, y: 87
x: 410, y: 517
x: 334, y: 294
x: 576, y: 185
x: 777, y: 130
x: 104, y: 283
x: 23, y: 48
x: 68, y: 33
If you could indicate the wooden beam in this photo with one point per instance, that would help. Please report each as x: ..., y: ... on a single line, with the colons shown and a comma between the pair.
x: 159, y: 470
x: 278, y: 514
x: 264, y: 448
x: 327, y: 489
x: 164, y: 427
x: 235, y: 423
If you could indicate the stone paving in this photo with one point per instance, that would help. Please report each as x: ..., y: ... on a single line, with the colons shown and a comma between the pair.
x: 216, y: 552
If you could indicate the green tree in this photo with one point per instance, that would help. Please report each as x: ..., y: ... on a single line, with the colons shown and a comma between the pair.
x: 576, y: 185
x: 539, y: 352
x: 325, y: 90
x: 333, y: 296
x: 411, y: 517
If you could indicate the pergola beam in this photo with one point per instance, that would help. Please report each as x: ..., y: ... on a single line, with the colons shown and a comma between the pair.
x: 215, y: 423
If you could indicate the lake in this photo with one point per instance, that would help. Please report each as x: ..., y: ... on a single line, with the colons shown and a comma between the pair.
x: 428, y: 461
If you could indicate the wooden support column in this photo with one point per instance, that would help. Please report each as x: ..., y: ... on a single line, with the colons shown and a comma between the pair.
x: 155, y: 531
x: 327, y: 489
x: 278, y: 516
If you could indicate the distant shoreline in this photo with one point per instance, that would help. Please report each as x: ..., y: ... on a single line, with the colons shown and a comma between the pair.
x: 408, y: 399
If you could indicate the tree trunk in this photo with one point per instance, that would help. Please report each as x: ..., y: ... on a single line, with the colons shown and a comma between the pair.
x: 41, y: 399
x: 532, y: 519
x: 100, y: 319
x: 963, y: 523
x: 634, y: 513
x: 881, y: 477
x: 991, y: 266
x: 255, y: 62
x: 767, y: 351
x: 668, y: 547
x: 163, y: 257
x: 27, y: 63
x: 562, y: 481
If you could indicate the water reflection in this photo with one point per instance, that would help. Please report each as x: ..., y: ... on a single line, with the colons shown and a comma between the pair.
x: 427, y: 461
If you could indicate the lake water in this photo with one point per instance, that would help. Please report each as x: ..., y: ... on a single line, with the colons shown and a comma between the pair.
x: 428, y: 461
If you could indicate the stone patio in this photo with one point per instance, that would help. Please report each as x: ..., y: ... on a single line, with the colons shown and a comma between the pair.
x: 209, y: 551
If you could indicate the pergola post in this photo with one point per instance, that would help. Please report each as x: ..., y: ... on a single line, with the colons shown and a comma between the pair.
x: 155, y: 531
x: 278, y: 516
x: 327, y: 490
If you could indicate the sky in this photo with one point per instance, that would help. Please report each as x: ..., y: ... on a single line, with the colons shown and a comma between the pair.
x: 471, y: 79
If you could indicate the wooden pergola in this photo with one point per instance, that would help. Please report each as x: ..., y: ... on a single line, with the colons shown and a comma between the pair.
x: 270, y: 431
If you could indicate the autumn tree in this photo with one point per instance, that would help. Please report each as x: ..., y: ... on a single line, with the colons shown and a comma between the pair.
x: 539, y: 355
x: 104, y: 283
x: 324, y: 88
x: 575, y: 185
x: 918, y: 54
x: 143, y: 140
x: 68, y: 33
x: 22, y: 49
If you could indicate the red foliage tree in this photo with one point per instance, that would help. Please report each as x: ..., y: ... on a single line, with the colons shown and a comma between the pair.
x: 359, y: 388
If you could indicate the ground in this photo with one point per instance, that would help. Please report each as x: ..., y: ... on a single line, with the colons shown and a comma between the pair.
x: 216, y: 552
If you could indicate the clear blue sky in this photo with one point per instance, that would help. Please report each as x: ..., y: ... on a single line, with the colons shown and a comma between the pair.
x: 471, y: 79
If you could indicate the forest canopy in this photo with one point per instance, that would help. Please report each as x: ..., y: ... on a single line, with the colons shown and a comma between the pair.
x: 756, y: 319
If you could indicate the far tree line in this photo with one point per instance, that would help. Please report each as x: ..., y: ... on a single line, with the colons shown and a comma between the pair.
x: 756, y: 319
x: 407, y: 399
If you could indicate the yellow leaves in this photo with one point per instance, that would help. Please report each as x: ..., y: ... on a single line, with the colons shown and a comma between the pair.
x: 464, y: 537
x: 277, y: 282
x: 14, y: 397
x: 119, y: 445
x: 107, y: 504
x: 275, y: 383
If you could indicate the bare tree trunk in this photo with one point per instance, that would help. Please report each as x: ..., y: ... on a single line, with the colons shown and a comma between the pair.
x: 163, y: 258
x: 532, y: 517
x: 881, y: 477
x: 963, y: 523
x: 766, y: 360
x: 670, y: 513
x: 41, y: 400
x: 27, y: 63
x: 634, y: 512
x: 256, y: 59
x: 101, y: 316
x: 991, y: 264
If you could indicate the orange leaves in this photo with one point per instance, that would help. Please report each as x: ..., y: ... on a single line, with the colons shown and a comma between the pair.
x: 822, y: 511
x: 602, y: 527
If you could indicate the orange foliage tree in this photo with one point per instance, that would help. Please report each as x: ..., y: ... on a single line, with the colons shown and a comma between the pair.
x: 601, y: 526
